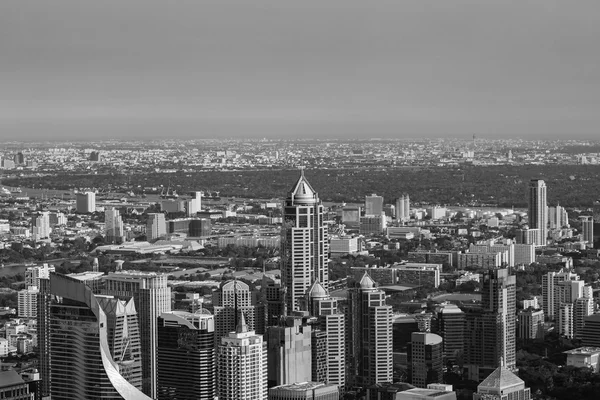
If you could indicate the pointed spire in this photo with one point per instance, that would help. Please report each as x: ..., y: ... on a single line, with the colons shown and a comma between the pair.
x: 302, y: 192
x: 367, y: 282
x: 241, y: 325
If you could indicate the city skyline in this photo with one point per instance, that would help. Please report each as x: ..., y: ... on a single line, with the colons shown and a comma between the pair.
x: 311, y: 69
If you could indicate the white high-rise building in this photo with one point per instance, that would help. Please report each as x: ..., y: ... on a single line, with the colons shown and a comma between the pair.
x: 557, y: 217
x: 549, y: 292
x: 304, y: 243
x: 86, y: 202
x: 156, y: 226
x: 538, y: 209
x: 113, y: 226
x: 403, y: 208
x: 34, y: 274
x: 152, y: 297
x: 40, y: 226
x: 194, y: 205
x: 27, y: 302
x: 242, y: 365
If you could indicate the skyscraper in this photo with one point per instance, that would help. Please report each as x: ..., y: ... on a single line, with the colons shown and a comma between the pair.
x: 233, y: 297
x: 333, y: 323
x: 425, y: 359
x: 370, y: 336
x: 304, y: 242
x: 194, y: 205
x: 451, y: 327
x: 152, y: 297
x: 587, y: 230
x: 242, y: 365
x: 538, y: 209
x: 86, y: 202
x: 289, y: 352
x: 549, y: 283
x: 89, y: 345
x: 373, y: 205
x: 557, y: 217
x: 273, y: 299
x: 40, y: 226
x: 490, y: 332
x: 34, y: 274
x: 403, y: 208
x: 156, y: 226
x: 186, y: 356
x: 113, y: 226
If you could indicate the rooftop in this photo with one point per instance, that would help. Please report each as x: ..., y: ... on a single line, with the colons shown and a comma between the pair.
x: 10, y: 378
x: 584, y: 350
x: 501, y: 379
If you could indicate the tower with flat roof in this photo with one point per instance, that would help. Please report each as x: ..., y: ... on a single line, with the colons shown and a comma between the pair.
x: 152, y: 297
x: 538, y: 209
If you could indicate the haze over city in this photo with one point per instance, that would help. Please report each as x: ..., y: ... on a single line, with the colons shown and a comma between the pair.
x: 152, y: 69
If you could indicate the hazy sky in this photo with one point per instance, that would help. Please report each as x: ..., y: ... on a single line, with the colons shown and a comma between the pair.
x: 397, y: 68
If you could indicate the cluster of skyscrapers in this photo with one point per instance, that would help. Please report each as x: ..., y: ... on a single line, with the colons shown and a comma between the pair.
x: 117, y: 336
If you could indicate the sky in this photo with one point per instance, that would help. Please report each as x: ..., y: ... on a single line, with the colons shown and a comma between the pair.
x: 132, y: 69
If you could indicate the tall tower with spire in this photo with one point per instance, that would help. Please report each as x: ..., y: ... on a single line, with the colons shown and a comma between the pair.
x: 242, y: 364
x: 304, y: 244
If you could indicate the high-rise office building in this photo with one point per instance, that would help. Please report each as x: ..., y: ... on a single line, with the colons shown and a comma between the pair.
x: 333, y: 322
x: 587, y: 230
x: 89, y: 344
x: 232, y: 298
x: 549, y: 283
x: 152, y: 297
x: 425, y: 359
x: 156, y: 226
x: 319, y: 355
x: 490, y: 332
x: 19, y: 159
x: 186, y: 356
x: 373, y: 205
x: 40, y: 226
x: 86, y: 202
x: 370, y: 336
x: 289, y: 357
x: 530, y: 324
x: 451, y: 327
x: 242, y: 365
x: 538, y: 209
x: 273, y: 299
x: 304, y: 242
x: 582, y: 308
x: 590, y: 335
x: 113, y: 226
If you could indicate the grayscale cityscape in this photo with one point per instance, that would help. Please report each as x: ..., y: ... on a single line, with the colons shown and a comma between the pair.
x: 317, y: 200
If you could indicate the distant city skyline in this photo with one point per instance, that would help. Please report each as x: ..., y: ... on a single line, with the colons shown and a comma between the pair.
x: 231, y: 68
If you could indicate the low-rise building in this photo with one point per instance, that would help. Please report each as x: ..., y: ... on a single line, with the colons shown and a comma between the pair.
x: 587, y: 357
